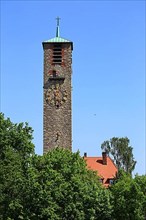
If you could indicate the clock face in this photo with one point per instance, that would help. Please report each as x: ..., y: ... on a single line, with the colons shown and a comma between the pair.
x: 55, y: 96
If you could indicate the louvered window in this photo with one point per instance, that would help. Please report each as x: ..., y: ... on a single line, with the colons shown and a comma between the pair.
x: 57, y: 54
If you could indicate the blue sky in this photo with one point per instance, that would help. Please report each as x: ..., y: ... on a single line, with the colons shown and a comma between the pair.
x: 108, y: 97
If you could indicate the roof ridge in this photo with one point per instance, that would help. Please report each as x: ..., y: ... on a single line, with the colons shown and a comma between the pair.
x: 112, y: 161
x: 57, y: 39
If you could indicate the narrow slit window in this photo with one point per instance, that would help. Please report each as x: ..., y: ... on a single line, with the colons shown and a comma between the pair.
x: 54, y: 73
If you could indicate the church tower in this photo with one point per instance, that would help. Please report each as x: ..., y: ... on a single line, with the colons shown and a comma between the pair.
x: 57, y: 105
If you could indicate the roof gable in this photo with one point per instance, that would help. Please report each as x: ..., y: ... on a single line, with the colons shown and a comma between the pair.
x: 106, y: 172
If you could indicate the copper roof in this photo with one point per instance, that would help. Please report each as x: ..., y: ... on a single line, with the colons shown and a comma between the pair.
x: 57, y: 40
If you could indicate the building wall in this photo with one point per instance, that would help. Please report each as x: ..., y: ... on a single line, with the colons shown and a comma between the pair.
x: 57, y: 115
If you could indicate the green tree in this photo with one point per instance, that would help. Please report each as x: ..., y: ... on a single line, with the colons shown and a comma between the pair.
x: 141, y: 181
x: 15, y: 136
x: 15, y: 151
x: 62, y: 188
x: 129, y: 201
x: 56, y: 185
x: 121, y: 153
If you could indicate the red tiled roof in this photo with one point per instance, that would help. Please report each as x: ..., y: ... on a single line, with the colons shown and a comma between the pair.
x: 106, y: 172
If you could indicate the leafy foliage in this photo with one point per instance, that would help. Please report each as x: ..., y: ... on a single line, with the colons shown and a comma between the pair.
x: 15, y: 151
x: 129, y: 198
x: 121, y: 153
x: 62, y: 188
x: 141, y: 182
x: 56, y: 185
x: 18, y: 137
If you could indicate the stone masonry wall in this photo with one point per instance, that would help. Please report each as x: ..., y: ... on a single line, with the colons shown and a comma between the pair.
x: 57, y: 115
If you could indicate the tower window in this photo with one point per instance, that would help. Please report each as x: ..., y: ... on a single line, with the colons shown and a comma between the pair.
x: 54, y: 73
x: 57, y: 53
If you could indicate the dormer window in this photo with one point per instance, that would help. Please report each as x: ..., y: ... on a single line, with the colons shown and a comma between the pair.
x: 111, y: 181
x: 57, y: 53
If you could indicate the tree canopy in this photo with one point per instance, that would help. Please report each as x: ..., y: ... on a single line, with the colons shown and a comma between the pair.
x: 17, y: 137
x: 16, y: 149
x: 129, y: 198
x: 58, y: 185
x: 121, y: 153
x: 62, y: 188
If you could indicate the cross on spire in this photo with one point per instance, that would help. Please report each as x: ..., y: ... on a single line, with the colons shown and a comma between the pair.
x: 57, y: 28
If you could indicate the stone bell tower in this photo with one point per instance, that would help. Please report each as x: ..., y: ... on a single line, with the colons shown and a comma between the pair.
x: 57, y: 115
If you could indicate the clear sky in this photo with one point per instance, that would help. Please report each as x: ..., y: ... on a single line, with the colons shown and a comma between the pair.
x: 108, y: 97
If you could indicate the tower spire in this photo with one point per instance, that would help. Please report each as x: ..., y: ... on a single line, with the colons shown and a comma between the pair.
x: 57, y: 28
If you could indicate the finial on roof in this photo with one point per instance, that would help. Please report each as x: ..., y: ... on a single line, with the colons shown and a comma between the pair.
x: 57, y: 29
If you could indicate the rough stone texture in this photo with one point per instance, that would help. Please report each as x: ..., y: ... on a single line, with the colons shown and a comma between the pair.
x: 57, y: 118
